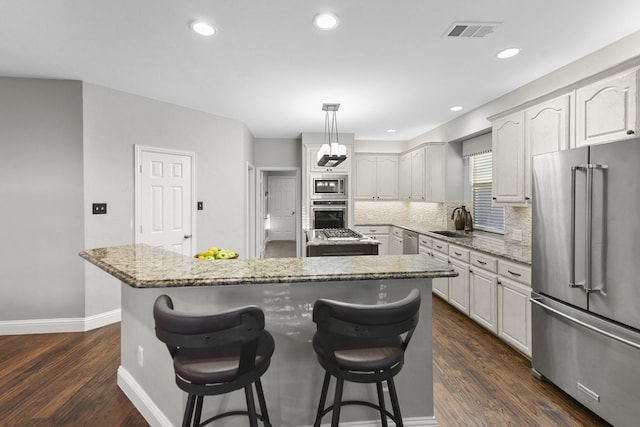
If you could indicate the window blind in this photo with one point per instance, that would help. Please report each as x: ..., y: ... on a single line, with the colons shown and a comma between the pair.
x: 485, y: 215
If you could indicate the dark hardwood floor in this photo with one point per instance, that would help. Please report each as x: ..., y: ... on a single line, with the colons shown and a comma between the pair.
x: 70, y: 380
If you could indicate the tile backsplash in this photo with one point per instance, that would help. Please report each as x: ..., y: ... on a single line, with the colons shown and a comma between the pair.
x: 437, y: 216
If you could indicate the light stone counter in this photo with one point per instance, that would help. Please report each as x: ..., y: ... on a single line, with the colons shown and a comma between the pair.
x: 286, y: 289
x: 490, y: 243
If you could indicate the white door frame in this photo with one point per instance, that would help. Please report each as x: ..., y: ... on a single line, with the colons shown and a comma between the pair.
x: 260, y: 189
x: 139, y: 149
x: 250, y: 222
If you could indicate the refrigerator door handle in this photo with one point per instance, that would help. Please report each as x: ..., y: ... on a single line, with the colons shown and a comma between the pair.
x: 539, y: 302
x: 588, y: 232
x: 572, y: 266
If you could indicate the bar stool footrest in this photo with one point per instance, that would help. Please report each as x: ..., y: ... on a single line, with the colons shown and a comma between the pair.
x: 230, y: 414
x: 391, y: 416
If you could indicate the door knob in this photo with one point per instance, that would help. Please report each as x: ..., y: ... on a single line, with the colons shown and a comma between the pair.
x: 187, y: 236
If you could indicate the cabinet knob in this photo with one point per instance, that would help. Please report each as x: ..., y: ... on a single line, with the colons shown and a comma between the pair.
x: 527, y: 198
x: 630, y: 132
x: 494, y: 198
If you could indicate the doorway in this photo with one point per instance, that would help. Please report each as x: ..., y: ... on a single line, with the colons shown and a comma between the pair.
x: 164, y: 194
x: 278, y: 212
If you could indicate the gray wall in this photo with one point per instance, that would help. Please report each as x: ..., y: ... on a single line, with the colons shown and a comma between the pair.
x: 65, y: 145
x: 41, y: 275
x: 280, y: 153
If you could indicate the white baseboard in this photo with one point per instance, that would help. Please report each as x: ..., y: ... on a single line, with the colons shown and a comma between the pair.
x: 155, y: 417
x: 51, y: 326
x: 141, y: 400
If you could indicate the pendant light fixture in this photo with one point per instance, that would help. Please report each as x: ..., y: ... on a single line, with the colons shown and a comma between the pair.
x: 332, y: 153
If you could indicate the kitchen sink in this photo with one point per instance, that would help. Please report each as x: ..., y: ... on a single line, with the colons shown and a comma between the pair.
x: 456, y: 234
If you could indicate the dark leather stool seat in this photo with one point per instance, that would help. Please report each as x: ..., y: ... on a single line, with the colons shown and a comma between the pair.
x: 215, y: 354
x: 363, y: 344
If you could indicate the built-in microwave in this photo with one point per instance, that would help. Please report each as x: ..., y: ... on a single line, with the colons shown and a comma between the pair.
x: 329, y: 187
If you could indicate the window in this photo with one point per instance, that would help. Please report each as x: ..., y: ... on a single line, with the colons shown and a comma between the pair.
x: 485, y: 216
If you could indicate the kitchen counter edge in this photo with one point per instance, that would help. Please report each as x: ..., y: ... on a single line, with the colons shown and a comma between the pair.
x: 144, y: 266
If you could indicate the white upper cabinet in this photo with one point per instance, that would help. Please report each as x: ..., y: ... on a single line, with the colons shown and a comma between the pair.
x: 376, y: 177
x: 509, y: 153
x: 547, y: 130
x: 607, y: 109
x: 435, y: 183
x: 404, y: 177
x: 417, y: 175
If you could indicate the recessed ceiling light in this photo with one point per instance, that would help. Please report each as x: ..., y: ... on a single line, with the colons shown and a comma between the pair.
x: 456, y: 108
x: 325, y: 21
x: 202, y: 28
x: 391, y: 130
x: 508, y: 53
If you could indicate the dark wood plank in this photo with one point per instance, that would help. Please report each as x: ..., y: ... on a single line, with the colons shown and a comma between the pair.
x: 70, y: 380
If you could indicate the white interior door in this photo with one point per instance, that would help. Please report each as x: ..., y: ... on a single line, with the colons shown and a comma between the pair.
x: 164, y: 199
x: 282, y: 207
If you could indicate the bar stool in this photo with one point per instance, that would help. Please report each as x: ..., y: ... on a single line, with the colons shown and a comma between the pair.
x: 363, y: 344
x: 216, y: 354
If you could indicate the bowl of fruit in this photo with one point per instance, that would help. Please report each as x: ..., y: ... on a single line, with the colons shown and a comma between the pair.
x: 216, y: 253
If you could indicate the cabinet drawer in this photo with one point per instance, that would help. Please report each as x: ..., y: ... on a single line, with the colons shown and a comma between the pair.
x: 373, y: 230
x: 425, y: 241
x: 396, y: 231
x: 518, y: 272
x: 484, y: 262
x: 457, y: 252
x: 441, y: 246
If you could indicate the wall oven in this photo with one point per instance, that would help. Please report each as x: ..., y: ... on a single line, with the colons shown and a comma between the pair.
x: 329, y: 213
x: 328, y: 187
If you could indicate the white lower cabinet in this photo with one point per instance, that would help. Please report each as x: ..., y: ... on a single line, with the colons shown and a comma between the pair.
x: 492, y: 291
x: 380, y: 233
x: 483, y: 291
x: 514, y: 312
x: 395, y: 241
x: 459, y: 285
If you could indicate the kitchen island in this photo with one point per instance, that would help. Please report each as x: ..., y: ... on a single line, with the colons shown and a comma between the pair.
x: 286, y: 289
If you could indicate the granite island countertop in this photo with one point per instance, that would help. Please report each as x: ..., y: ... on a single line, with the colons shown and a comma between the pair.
x: 144, y: 266
x: 489, y: 243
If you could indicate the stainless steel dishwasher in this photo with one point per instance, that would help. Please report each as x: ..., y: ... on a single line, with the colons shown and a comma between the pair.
x: 409, y: 242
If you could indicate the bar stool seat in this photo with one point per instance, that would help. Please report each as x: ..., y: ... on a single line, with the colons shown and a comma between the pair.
x: 214, y: 354
x: 363, y: 344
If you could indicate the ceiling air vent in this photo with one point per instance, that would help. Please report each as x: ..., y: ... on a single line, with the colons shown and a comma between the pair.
x: 472, y: 29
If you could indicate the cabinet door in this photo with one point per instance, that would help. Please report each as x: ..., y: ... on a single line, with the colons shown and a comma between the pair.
x: 417, y: 175
x: 606, y: 110
x: 404, y: 177
x: 441, y: 285
x: 395, y: 245
x: 459, y: 287
x: 365, y: 177
x: 548, y: 130
x: 483, y: 297
x: 313, y: 161
x: 383, y: 247
x: 387, y: 177
x: 434, y: 173
x: 514, y: 314
x: 509, y: 159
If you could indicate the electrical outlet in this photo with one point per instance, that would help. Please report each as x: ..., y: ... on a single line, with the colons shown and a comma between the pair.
x: 99, y: 208
x: 517, y: 235
x: 200, y: 206
x: 140, y: 356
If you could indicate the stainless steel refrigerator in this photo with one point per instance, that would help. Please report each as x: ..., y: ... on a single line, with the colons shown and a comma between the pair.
x: 586, y: 276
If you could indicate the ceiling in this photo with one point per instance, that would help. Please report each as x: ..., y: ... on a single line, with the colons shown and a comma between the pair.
x: 388, y: 63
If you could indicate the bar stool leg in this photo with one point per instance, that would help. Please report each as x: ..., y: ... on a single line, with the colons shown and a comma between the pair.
x: 251, y: 406
x: 323, y: 399
x: 337, y: 402
x: 383, y: 415
x: 188, y: 411
x: 198, y: 414
x: 263, y: 403
x: 394, y: 403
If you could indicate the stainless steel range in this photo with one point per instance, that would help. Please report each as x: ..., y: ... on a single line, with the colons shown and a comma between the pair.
x: 339, y: 242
